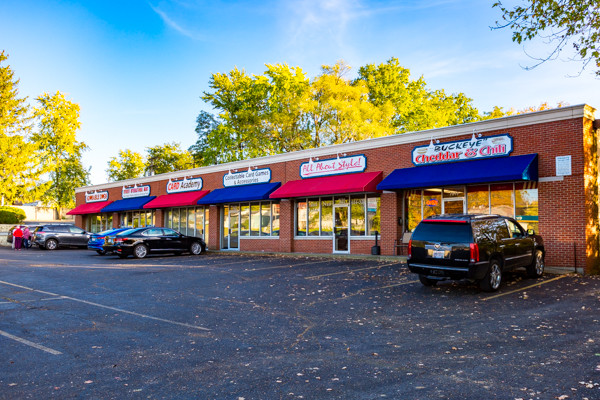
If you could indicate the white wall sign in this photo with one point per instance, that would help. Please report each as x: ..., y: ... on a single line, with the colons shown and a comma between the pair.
x: 460, y: 150
x: 333, y: 166
x: 185, y: 185
x: 563, y: 165
x: 135, y: 191
x: 253, y: 177
x: 96, y: 197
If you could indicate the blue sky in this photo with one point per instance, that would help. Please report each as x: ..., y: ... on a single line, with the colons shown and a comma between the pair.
x: 138, y: 68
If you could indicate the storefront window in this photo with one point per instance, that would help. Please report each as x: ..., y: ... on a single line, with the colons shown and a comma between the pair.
x: 478, y: 199
x: 526, y: 205
x: 414, y: 209
x: 432, y: 202
x: 275, y: 219
x: 98, y: 222
x: 301, y: 214
x: 255, y: 225
x: 373, y: 215
x: 265, y: 219
x: 313, y: 218
x: 245, y: 220
x: 357, y: 216
x: 199, y: 231
x: 326, y: 217
x: 501, y: 199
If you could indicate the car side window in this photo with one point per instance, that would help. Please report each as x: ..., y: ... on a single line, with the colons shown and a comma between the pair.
x: 152, y: 232
x: 169, y: 232
x: 514, y: 229
x: 484, y: 230
x: 501, y: 229
x: 61, y: 228
x: 75, y: 229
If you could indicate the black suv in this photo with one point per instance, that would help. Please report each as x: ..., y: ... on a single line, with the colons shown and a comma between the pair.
x: 475, y: 247
x: 51, y: 236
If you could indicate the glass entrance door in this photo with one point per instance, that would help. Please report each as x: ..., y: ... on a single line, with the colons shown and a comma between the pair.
x: 231, y: 228
x: 341, y: 242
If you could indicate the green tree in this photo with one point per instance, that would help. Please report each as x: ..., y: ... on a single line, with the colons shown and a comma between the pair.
x: 127, y: 165
x: 560, y: 23
x: 206, y: 150
x: 168, y: 157
x: 18, y: 165
x: 56, y: 138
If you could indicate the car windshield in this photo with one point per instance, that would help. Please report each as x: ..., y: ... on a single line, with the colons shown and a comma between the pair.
x: 443, y: 232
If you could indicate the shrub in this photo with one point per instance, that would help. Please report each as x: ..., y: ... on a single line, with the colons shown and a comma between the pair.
x: 11, y: 215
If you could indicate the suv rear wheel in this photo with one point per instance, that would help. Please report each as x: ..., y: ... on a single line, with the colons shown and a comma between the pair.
x: 536, y: 268
x: 492, y: 280
x: 51, y: 244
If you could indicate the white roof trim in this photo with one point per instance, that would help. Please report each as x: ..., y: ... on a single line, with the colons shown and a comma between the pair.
x: 555, y: 114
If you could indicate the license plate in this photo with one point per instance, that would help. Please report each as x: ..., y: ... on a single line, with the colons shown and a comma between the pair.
x: 439, y: 253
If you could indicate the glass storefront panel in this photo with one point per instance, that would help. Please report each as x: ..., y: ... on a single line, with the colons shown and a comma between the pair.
x: 275, y: 219
x: 265, y: 219
x: 373, y: 215
x: 313, y: 218
x: 478, y: 199
x: 526, y: 205
x: 191, y: 221
x: 301, y: 215
x: 326, y: 217
x: 432, y: 202
x: 414, y: 209
x: 225, y: 237
x: 175, y: 224
x: 357, y: 216
x: 199, y: 231
x: 501, y: 199
x: 245, y: 220
x: 255, y: 216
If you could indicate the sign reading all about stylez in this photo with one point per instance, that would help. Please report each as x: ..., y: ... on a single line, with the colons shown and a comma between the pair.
x: 250, y: 177
x: 334, y: 166
x: 185, y: 185
x: 460, y: 150
x: 135, y: 191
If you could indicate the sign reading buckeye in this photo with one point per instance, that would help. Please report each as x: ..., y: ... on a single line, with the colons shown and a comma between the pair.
x: 460, y: 150
x: 333, y: 166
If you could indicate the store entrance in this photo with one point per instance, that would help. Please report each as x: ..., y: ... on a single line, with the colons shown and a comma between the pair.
x: 231, y: 228
x: 454, y: 206
x: 341, y: 244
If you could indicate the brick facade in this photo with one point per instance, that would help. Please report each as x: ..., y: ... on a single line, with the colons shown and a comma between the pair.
x: 568, y: 206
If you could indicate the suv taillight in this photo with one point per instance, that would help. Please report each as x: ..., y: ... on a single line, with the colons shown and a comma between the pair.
x: 409, y: 247
x: 474, y: 252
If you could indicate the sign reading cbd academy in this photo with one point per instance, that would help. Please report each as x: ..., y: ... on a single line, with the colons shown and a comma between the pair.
x: 470, y: 149
x: 253, y: 177
x: 334, y: 166
x: 185, y: 185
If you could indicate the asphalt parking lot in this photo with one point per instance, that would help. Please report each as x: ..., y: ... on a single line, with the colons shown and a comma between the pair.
x: 231, y: 326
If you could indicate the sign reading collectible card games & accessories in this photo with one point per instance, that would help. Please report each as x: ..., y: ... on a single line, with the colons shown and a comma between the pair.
x: 135, y: 191
x: 461, y: 150
x: 185, y: 185
x: 333, y: 166
x: 249, y: 177
x: 96, y: 196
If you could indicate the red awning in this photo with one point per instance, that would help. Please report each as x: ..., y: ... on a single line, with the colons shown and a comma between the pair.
x: 177, y: 199
x: 336, y: 184
x: 89, y: 208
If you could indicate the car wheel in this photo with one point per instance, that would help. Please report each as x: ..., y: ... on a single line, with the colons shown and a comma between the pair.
x: 492, y: 280
x: 536, y: 268
x: 426, y: 281
x: 101, y: 252
x: 140, y: 251
x: 196, y: 248
x: 51, y: 244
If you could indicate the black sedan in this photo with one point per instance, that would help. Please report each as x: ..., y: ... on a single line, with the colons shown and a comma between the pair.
x: 140, y: 242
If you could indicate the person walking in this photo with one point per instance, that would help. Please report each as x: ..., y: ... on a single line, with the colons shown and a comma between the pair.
x: 18, y: 238
x: 26, y: 237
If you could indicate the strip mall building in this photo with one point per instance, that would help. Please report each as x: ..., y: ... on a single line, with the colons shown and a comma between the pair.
x: 541, y: 168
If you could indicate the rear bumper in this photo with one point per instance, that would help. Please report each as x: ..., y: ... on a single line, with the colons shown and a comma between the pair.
x: 474, y: 271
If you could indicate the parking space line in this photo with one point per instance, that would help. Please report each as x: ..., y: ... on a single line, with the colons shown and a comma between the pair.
x: 523, y: 288
x: 30, y: 343
x: 286, y: 266
x: 347, y: 296
x: 349, y: 271
x: 112, y: 308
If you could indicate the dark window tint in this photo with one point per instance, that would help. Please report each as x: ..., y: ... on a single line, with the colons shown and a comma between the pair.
x: 501, y: 229
x: 61, y: 228
x: 485, y: 230
x: 442, y: 232
x: 170, y: 232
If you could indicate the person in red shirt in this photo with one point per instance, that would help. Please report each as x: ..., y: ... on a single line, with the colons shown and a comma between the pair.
x: 18, y: 237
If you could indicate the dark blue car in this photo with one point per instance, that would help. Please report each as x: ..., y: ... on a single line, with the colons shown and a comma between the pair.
x: 97, y: 239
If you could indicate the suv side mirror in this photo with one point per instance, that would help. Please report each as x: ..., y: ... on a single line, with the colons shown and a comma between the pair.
x: 530, y: 232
